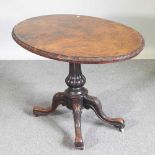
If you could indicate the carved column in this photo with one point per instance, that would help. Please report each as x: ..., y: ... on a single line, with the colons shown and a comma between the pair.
x: 75, y: 79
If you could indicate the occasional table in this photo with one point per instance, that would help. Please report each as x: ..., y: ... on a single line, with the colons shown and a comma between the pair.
x: 78, y: 40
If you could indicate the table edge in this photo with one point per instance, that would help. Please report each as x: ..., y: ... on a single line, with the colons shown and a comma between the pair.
x: 81, y: 60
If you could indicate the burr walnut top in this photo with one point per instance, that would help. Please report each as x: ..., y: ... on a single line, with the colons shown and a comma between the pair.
x: 79, y: 39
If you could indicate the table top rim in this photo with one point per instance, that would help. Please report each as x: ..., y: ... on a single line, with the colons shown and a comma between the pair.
x: 82, y: 60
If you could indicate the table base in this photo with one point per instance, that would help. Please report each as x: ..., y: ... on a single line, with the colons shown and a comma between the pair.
x: 76, y: 98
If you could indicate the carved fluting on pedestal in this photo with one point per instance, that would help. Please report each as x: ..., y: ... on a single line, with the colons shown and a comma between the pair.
x: 75, y: 79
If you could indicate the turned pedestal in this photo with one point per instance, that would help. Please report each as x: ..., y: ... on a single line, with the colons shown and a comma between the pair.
x: 76, y: 97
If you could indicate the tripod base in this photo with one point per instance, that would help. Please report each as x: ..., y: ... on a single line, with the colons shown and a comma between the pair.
x: 77, y: 99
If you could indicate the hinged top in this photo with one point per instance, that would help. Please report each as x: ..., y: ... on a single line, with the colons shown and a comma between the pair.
x: 80, y: 39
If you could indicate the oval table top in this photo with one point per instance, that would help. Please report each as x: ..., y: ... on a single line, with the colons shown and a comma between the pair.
x: 79, y: 39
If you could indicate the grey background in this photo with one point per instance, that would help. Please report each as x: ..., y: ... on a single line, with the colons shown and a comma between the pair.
x: 126, y: 89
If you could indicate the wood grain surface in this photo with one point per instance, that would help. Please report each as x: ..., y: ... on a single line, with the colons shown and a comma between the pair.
x: 79, y: 39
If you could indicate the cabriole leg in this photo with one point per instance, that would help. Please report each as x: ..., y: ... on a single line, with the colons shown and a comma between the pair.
x: 95, y: 105
x: 76, y: 106
x: 58, y: 98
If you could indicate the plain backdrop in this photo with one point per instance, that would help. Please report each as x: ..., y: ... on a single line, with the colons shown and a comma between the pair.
x: 139, y: 14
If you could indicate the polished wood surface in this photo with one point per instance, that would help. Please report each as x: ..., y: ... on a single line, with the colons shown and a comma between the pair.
x: 80, y: 39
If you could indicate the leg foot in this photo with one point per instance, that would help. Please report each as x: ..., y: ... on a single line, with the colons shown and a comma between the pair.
x: 59, y: 98
x: 76, y: 106
x: 122, y: 130
x: 95, y: 105
x: 120, y: 125
x: 79, y: 145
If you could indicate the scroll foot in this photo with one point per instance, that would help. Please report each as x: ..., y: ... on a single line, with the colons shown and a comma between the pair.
x: 59, y: 98
x: 95, y: 105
